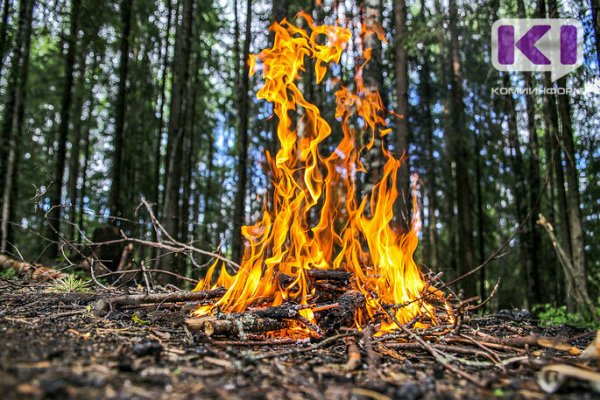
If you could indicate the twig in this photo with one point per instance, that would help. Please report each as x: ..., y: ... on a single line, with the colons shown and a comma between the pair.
x: 316, y: 346
x: 437, y: 355
x: 103, y: 304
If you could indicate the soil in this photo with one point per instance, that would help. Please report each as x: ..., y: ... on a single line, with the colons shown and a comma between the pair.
x: 53, y: 346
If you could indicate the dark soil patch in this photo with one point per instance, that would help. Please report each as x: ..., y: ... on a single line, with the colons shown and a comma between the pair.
x: 52, y: 346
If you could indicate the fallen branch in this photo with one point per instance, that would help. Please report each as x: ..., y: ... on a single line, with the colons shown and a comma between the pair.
x: 36, y: 272
x: 239, y: 325
x: 103, y: 305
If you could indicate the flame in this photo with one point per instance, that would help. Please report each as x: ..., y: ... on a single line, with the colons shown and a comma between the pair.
x: 344, y: 234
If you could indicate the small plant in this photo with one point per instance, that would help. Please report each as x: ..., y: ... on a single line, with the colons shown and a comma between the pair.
x: 8, y: 273
x: 70, y: 283
x: 137, y: 320
x: 552, y: 316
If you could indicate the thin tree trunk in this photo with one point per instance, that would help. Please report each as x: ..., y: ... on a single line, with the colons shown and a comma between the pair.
x: 242, y: 171
x: 425, y: 93
x: 114, y: 201
x: 461, y: 158
x: 17, y: 99
x: 517, y: 166
x: 11, y: 95
x: 76, y: 147
x: 161, y: 111
x: 596, y: 21
x: 534, y: 186
x: 403, y: 133
x: 176, y: 130
x: 56, y: 190
x: 4, y: 40
x: 567, y: 141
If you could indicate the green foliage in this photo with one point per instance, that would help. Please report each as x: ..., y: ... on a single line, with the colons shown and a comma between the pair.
x: 8, y: 274
x: 70, y: 283
x: 550, y: 315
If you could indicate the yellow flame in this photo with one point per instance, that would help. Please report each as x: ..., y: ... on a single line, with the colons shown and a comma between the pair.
x: 346, y: 236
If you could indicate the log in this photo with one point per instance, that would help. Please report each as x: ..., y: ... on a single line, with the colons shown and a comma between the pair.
x: 235, y: 325
x: 36, y: 272
x: 342, y: 316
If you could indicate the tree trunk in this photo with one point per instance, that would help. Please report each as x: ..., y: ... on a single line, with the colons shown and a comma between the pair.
x: 596, y: 21
x: 517, y: 167
x: 242, y: 171
x: 535, y: 287
x: 14, y: 131
x: 161, y: 111
x: 566, y: 140
x: 56, y: 189
x: 114, y: 201
x: 4, y: 40
x: 461, y: 159
x: 76, y: 147
x: 402, y: 139
x: 426, y: 95
x: 176, y: 130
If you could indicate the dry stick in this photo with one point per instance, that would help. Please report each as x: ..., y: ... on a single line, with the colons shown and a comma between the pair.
x: 159, y: 271
x: 104, y: 304
x: 437, y: 355
x: 372, y: 358
x: 182, y: 245
x: 354, y: 358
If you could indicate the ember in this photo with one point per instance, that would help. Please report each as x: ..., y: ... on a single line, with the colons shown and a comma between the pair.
x: 350, y: 268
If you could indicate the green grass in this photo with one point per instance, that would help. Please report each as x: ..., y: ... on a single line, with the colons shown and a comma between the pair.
x: 8, y: 274
x: 68, y: 284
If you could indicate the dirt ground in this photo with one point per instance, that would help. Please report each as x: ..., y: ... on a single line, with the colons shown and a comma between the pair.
x: 53, y: 346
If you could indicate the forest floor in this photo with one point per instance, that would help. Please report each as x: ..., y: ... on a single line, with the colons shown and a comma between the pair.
x: 53, y: 346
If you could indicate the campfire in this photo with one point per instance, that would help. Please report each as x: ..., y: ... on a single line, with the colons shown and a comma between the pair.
x: 319, y: 259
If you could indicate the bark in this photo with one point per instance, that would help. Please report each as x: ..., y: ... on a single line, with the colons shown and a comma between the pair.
x: 461, y: 159
x: 242, y: 145
x: 240, y: 326
x: 114, y: 201
x: 14, y: 119
x: 403, y: 132
x: 176, y: 129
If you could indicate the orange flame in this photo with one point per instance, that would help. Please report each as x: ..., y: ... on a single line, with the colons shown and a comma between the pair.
x: 348, y: 235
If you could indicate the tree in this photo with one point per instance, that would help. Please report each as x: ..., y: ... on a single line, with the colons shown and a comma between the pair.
x: 461, y: 159
x: 242, y: 145
x: 114, y: 201
x: 14, y: 118
x: 403, y: 134
x: 176, y: 127
x: 4, y: 39
x: 56, y: 186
